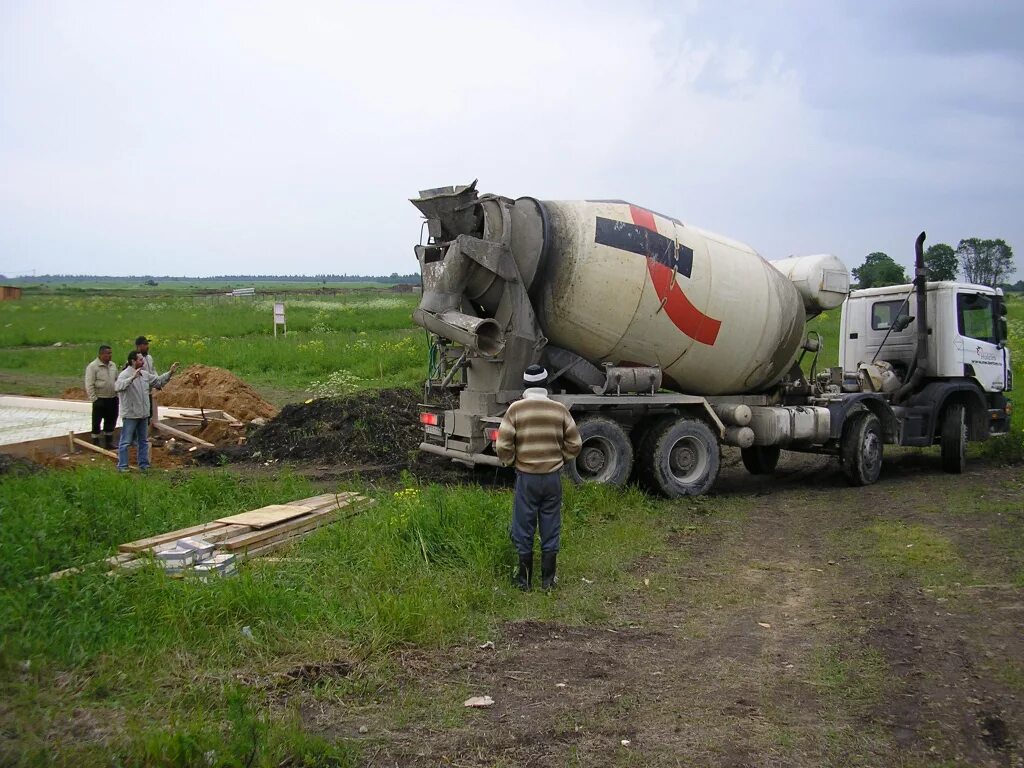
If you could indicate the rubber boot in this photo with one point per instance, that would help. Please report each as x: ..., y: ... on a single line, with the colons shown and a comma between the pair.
x: 525, y: 573
x: 108, y: 440
x: 548, y: 565
x: 95, y: 439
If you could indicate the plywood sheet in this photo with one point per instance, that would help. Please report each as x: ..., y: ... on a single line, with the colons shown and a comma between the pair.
x: 264, y: 516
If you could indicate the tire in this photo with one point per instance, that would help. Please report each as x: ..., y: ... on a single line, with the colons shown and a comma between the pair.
x: 861, y: 448
x: 606, y: 456
x: 760, y: 459
x: 679, y: 457
x: 953, y: 439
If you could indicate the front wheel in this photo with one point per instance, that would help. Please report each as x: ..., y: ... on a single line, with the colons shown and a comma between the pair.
x: 679, y: 457
x: 953, y: 439
x: 606, y: 456
x: 860, y: 448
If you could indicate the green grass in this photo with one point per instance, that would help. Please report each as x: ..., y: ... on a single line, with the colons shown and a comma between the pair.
x: 427, y: 567
x: 365, y: 334
x: 850, y: 677
x: 915, y: 551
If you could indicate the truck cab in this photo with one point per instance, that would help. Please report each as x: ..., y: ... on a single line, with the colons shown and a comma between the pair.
x: 966, y: 370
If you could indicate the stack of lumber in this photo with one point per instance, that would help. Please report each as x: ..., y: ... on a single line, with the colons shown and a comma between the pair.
x: 245, y: 535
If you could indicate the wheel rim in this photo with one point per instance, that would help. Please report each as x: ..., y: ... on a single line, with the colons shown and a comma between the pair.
x: 596, y: 461
x: 871, y: 452
x: 688, y: 459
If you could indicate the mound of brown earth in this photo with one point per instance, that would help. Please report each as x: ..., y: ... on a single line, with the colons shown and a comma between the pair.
x: 365, y: 428
x: 74, y: 393
x: 203, y: 386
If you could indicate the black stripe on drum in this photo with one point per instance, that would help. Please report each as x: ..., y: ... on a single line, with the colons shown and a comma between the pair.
x: 643, y: 242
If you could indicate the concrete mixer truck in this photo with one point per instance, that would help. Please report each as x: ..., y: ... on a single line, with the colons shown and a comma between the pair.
x: 667, y: 342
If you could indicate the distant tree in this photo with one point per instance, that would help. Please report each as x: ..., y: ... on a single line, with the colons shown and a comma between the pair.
x: 940, y: 262
x: 879, y: 269
x: 985, y: 262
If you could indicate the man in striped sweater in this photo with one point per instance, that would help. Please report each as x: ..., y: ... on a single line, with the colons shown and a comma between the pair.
x: 538, y: 435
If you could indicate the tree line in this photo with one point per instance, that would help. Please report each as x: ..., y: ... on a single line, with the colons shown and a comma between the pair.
x: 412, y: 278
x: 983, y: 262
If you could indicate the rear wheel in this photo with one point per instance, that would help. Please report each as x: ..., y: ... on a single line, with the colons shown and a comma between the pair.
x: 606, y: 456
x: 679, y: 457
x: 860, y: 448
x: 760, y: 459
x: 953, y: 439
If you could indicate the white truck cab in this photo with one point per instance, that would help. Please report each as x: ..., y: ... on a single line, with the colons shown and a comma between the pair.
x: 966, y: 333
x: 957, y: 390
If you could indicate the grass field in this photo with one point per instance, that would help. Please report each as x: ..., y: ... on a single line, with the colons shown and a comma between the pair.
x: 367, y: 334
x: 381, y: 617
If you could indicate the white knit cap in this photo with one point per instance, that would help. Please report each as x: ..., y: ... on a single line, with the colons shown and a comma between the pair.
x: 535, y: 374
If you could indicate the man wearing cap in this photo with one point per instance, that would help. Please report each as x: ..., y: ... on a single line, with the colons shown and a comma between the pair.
x: 537, y: 435
x: 142, y: 347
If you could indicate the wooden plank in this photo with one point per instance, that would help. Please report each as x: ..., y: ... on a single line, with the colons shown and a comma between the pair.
x: 274, y: 514
x: 225, y: 532
x: 305, y: 510
x: 245, y: 540
x: 264, y: 516
x: 115, y: 561
x: 143, y: 544
x: 96, y: 448
x: 178, y: 433
x: 292, y: 537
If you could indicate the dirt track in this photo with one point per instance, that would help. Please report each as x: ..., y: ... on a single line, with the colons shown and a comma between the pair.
x: 779, y: 636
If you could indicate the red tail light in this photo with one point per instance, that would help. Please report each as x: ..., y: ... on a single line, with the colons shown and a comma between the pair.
x: 491, y: 434
x: 430, y: 419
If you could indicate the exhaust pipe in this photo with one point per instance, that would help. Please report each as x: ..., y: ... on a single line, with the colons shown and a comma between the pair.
x: 921, y: 353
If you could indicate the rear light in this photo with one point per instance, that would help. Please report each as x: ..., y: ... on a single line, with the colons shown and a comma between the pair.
x: 491, y: 434
x: 430, y: 419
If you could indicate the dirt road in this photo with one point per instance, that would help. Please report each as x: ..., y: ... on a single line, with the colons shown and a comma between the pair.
x: 797, y: 622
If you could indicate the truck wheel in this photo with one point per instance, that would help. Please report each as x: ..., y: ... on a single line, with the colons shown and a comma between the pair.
x: 953, y: 439
x: 679, y: 457
x: 606, y: 456
x: 860, y: 448
x: 760, y: 459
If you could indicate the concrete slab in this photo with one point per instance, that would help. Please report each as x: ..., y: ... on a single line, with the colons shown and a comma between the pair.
x: 22, y: 420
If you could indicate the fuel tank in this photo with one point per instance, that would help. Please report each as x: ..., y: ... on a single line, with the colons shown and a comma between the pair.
x: 621, y: 284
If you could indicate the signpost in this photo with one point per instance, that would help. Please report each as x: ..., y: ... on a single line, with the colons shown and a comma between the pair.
x: 279, y: 319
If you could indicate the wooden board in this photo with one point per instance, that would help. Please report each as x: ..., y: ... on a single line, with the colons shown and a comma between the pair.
x: 179, y: 434
x: 264, y: 516
x: 143, y: 544
x: 251, y: 538
x: 278, y: 513
x: 295, y: 536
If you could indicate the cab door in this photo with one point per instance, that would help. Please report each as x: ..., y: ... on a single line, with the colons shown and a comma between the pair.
x: 977, y: 323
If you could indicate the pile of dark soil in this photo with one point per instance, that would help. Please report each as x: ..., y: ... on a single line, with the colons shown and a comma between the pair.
x: 367, y: 428
x: 17, y: 466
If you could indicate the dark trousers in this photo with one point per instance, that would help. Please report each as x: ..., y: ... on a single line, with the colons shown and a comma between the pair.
x: 537, y: 500
x: 104, y: 410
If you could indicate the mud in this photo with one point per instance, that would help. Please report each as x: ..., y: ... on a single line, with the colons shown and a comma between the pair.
x: 772, y: 640
x: 17, y: 466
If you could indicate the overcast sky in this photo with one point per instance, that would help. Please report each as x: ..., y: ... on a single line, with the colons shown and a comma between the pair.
x: 224, y: 138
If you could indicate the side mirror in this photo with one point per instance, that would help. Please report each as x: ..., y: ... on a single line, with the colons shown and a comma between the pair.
x: 902, y: 322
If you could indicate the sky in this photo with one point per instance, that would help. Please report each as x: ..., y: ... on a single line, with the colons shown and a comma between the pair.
x: 198, y: 138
